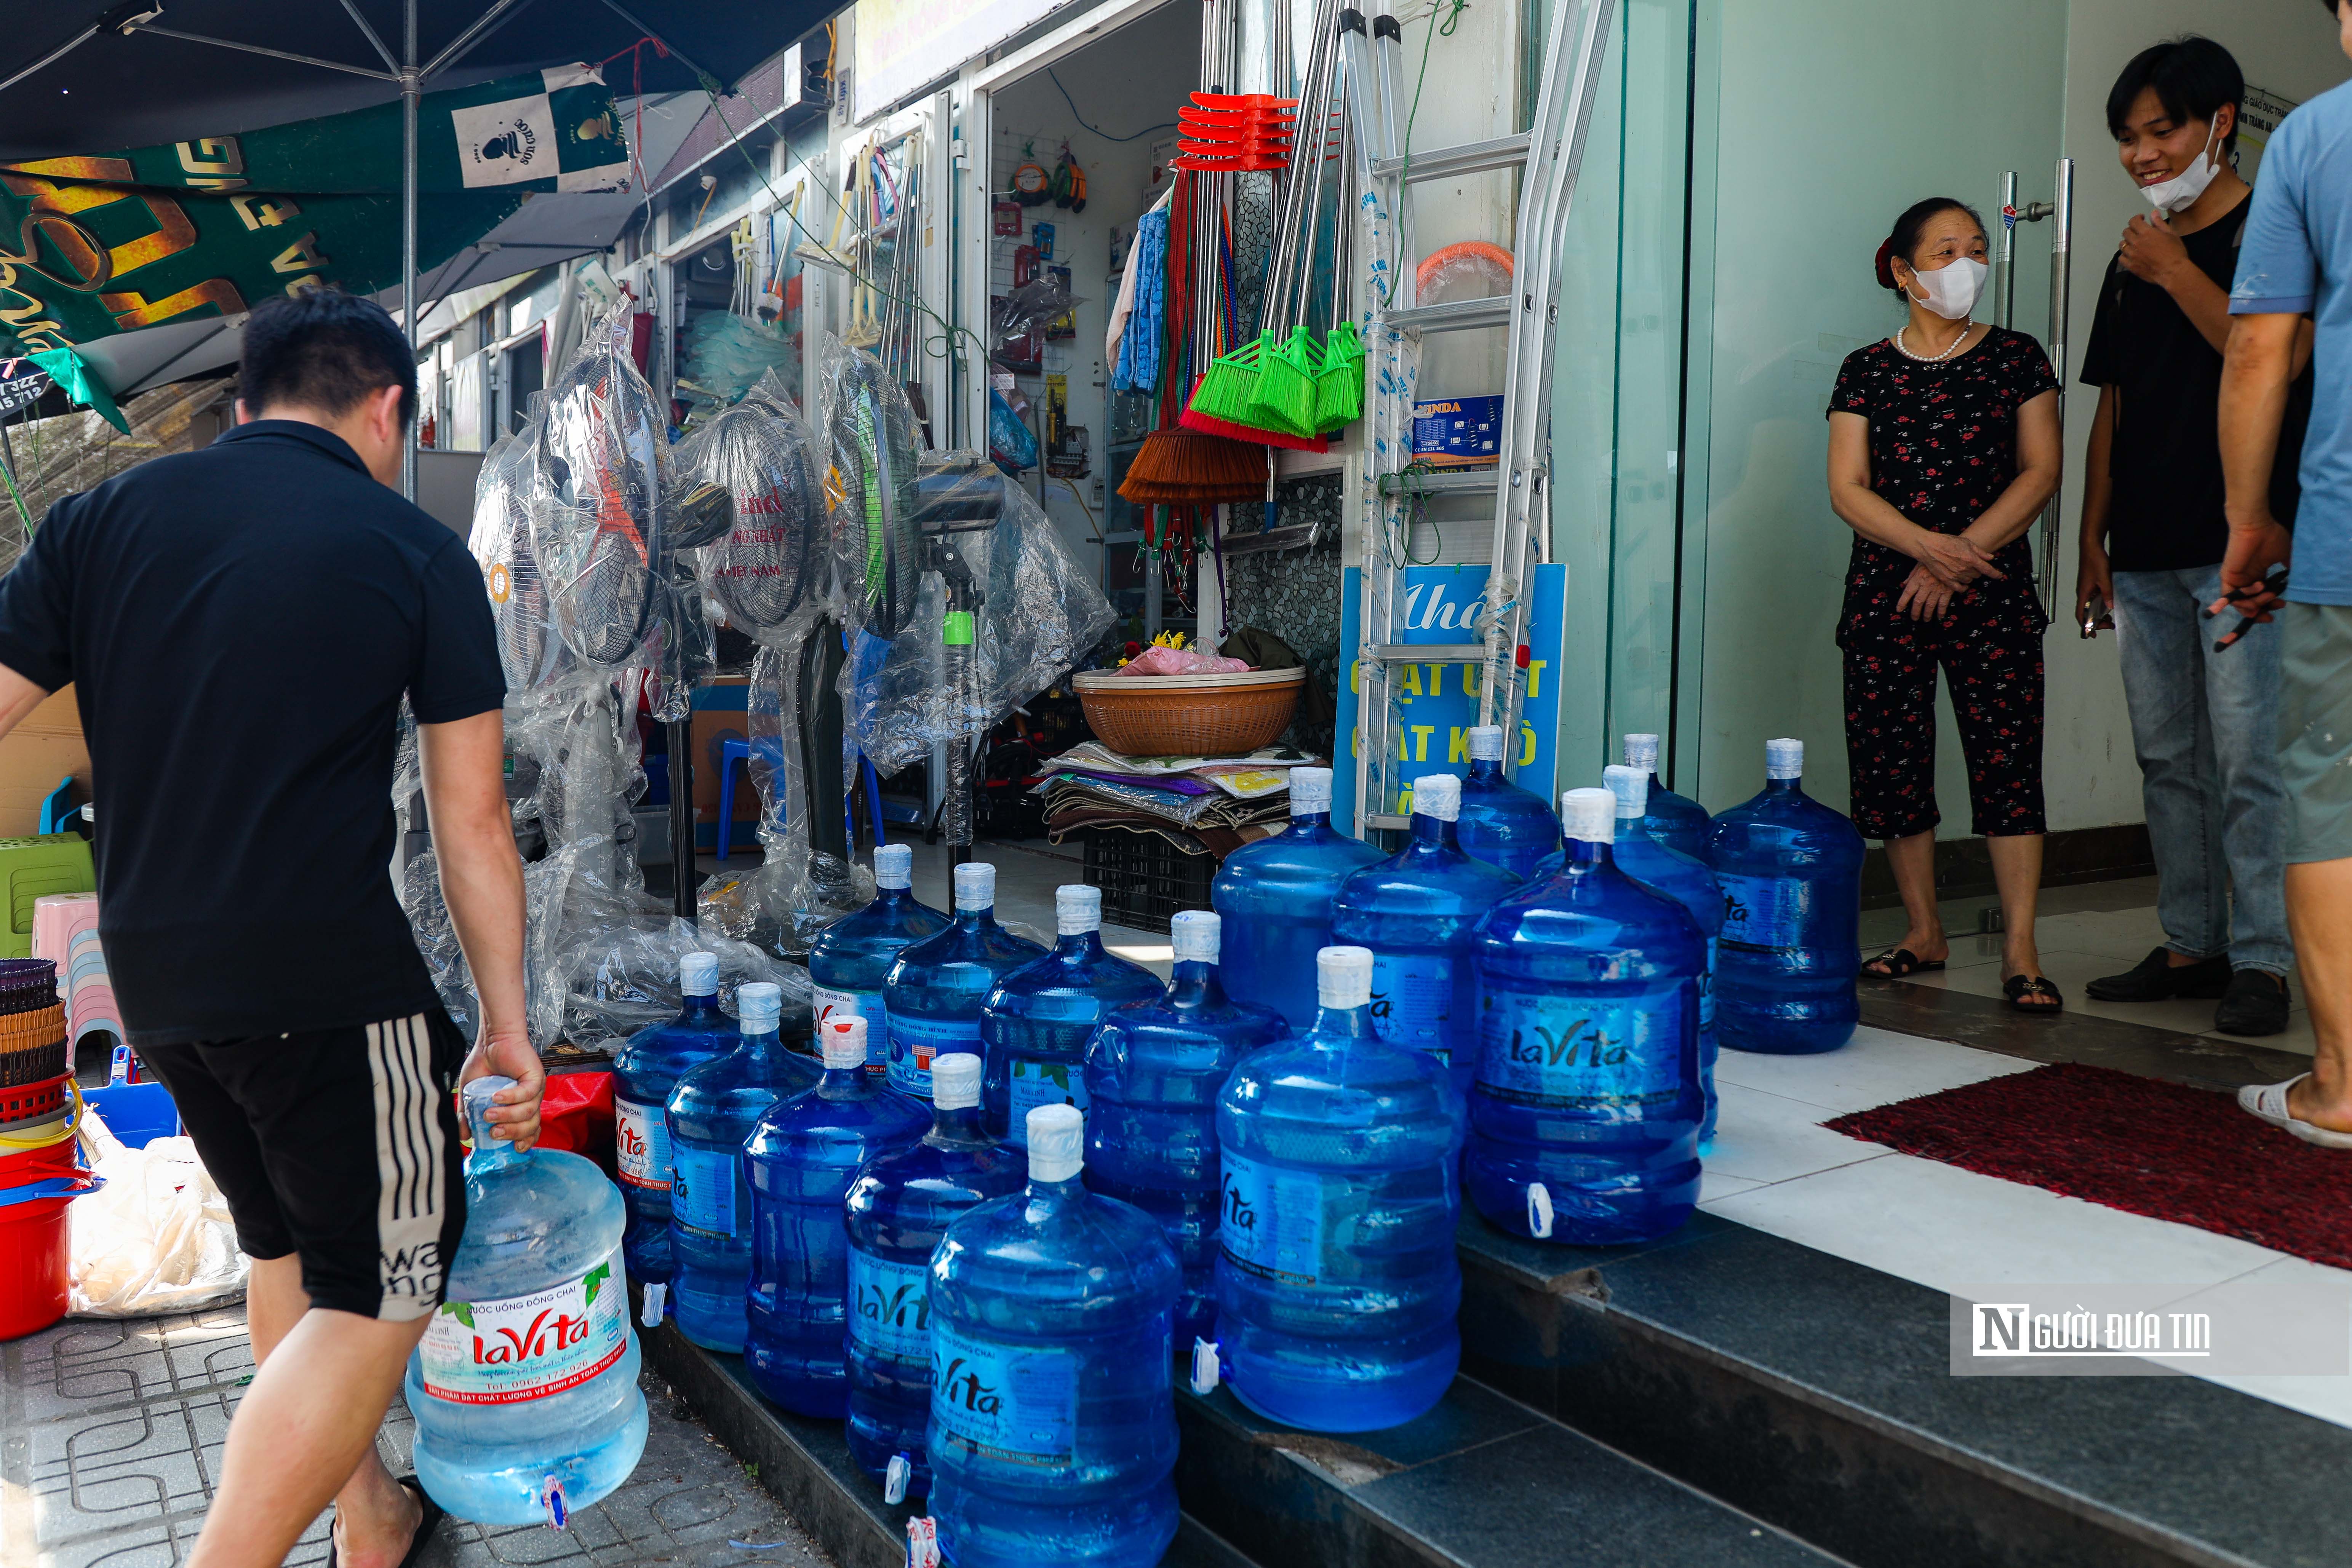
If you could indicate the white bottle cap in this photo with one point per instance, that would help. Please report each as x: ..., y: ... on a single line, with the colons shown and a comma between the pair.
x: 975, y: 886
x: 1057, y: 1142
x: 843, y: 1041
x: 955, y: 1081
x: 1590, y: 814
x: 758, y: 1006
x: 1197, y: 935
x: 1310, y: 791
x: 1631, y: 785
x: 1078, y: 909
x: 1437, y: 795
x: 894, y: 867
x: 1784, y: 759
x: 1485, y: 742
x: 1343, y: 976
x: 1641, y: 751
x: 698, y: 975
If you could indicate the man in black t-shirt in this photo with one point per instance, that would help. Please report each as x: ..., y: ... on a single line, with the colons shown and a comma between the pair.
x: 2204, y: 723
x: 239, y: 625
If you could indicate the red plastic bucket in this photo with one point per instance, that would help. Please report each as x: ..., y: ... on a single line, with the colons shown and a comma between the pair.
x: 35, y: 1246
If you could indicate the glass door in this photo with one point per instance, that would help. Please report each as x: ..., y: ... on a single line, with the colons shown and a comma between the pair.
x: 1816, y: 122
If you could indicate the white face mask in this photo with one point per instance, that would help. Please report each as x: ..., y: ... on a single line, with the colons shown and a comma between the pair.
x: 2169, y: 197
x: 1952, y: 291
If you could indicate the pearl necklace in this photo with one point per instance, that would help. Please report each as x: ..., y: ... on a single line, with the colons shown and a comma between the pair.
x: 1932, y: 358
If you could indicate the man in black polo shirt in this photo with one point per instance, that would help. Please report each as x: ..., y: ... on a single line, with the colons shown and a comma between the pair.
x: 239, y: 625
x: 2204, y: 723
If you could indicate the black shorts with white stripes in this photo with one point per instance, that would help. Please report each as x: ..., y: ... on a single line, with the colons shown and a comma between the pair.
x: 340, y: 1145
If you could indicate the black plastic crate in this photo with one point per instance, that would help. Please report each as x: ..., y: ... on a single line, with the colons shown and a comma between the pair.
x: 1145, y: 880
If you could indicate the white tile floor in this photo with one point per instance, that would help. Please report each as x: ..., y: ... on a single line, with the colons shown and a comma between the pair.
x: 1776, y: 1169
x: 2083, y: 934
x: 1027, y: 875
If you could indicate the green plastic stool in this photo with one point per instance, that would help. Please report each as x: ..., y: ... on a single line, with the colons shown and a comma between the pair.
x: 33, y: 868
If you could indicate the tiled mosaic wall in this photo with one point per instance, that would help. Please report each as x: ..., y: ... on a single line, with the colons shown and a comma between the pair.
x: 1295, y: 595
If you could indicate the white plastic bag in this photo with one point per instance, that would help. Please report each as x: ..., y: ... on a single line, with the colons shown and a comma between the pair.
x: 157, y: 1239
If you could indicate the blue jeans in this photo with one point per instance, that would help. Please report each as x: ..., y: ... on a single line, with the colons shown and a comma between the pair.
x: 2205, y: 727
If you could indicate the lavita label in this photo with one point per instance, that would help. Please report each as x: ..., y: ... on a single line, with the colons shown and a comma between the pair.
x: 915, y: 1041
x: 641, y: 1144
x: 1271, y: 1221
x: 1031, y: 1083
x: 702, y: 1189
x: 527, y: 1347
x: 1579, y: 1052
x: 1011, y: 1404
x: 889, y: 1306
x: 1765, y: 912
x: 830, y: 1002
x: 1413, y: 999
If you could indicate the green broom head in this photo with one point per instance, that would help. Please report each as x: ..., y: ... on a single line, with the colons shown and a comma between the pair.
x: 1340, y: 384
x: 1284, y: 397
x: 1225, y: 392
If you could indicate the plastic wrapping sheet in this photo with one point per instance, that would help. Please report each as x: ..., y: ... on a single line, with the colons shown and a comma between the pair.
x: 1031, y: 308
x: 796, y: 891
x: 529, y: 648
x: 618, y: 975
x: 951, y: 673
x: 773, y: 557
x: 726, y: 356
x: 871, y: 441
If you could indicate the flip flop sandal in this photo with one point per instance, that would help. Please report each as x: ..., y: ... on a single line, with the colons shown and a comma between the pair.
x: 2268, y: 1101
x: 426, y: 1523
x: 1899, y: 962
x: 2018, y: 987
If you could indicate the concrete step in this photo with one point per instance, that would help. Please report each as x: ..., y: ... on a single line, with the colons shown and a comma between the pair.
x: 1481, y: 1481
x: 1816, y: 1394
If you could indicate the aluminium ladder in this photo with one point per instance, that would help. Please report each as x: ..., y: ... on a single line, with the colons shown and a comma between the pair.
x: 1551, y: 152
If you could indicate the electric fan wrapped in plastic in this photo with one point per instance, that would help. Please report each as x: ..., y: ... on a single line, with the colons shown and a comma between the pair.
x: 872, y: 441
x: 770, y: 559
x: 797, y: 890
x: 529, y: 648
x: 600, y: 495
x: 952, y: 673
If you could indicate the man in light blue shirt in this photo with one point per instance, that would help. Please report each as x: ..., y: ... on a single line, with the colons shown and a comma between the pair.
x: 2296, y: 261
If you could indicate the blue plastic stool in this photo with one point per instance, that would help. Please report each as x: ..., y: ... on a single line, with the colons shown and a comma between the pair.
x: 729, y: 753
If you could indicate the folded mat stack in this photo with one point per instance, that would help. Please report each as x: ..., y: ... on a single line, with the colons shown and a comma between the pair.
x: 1203, y: 806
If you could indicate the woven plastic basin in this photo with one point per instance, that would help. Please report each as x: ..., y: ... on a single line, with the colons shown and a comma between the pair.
x: 1188, y: 715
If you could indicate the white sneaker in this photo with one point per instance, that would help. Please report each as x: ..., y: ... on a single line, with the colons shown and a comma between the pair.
x: 2268, y: 1101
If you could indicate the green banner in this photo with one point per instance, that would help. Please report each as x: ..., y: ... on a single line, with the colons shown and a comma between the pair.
x: 113, y: 242
x: 555, y: 130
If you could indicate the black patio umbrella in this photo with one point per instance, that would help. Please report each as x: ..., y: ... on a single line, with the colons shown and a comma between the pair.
x: 149, y: 72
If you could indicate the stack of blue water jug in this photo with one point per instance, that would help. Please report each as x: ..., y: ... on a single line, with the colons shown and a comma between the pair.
x: 1259, y: 1164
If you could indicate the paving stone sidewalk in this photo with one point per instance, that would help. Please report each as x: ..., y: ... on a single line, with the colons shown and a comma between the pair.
x: 111, y: 1435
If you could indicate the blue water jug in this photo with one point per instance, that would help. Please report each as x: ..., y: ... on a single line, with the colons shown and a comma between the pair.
x: 799, y: 1162
x: 1416, y: 912
x: 1689, y: 884
x: 1585, y: 1120
x: 1675, y: 821
x: 643, y: 1076
x: 1053, y: 1432
x: 1500, y: 824
x: 852, y: 956
x: 1153, y: 1071
x: 1337, y: 1284
x: 1791, y: 947
x: 898, y: 1209
x: 1035, y: 1024
x: 935, y: 988
x: 711, y: 1111
x: 1275, y: 898
x: 525, y: 1385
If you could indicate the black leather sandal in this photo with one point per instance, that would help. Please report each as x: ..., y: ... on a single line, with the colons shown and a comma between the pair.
x: 1899, y: 962
x: 2046, y: 997
x: 426, y: 1523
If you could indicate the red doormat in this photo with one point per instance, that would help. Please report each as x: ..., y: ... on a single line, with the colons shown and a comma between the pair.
x: 2136, y: 1145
